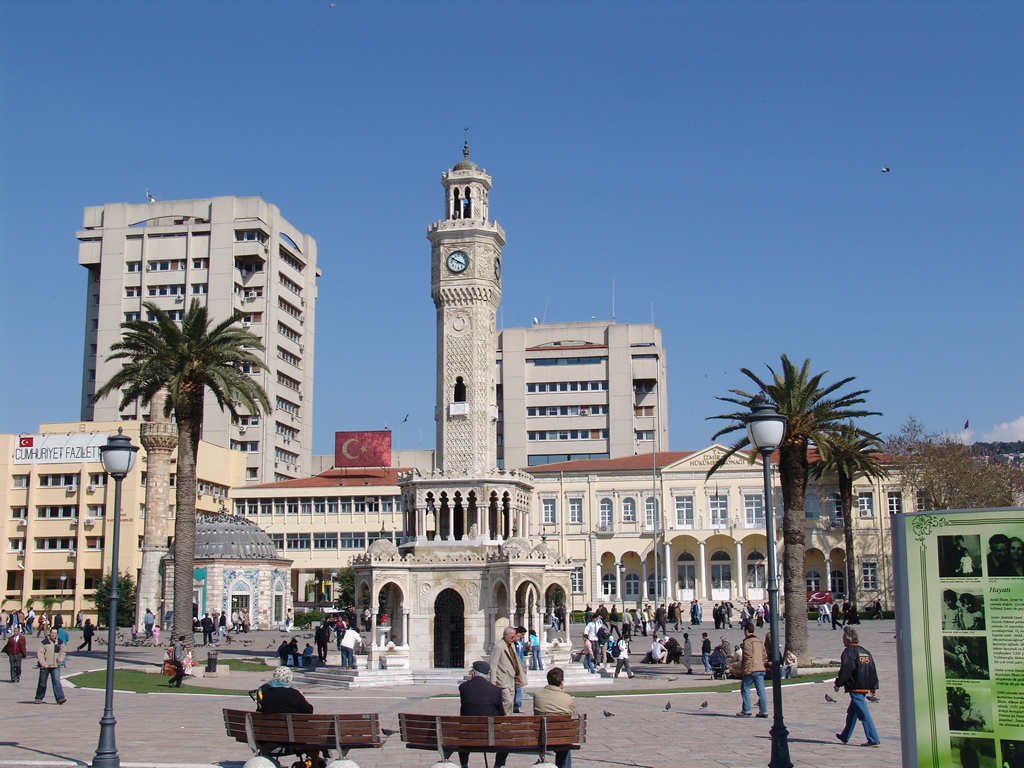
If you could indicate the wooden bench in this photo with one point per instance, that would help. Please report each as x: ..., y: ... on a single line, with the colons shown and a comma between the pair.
x: 536, y: 734
x: 275, y: 735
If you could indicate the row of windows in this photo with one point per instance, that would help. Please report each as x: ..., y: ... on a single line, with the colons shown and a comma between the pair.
x: 865, y: 504
x: 328, y: 540
x: 569, y: 386
x: 291, y: 261
x: 288, y: 357
x: 250, y: 235
x: 570, y: 434
x: 98, y: 479
x: 287, y: 381
x: 540, y: 459
x: 567, y: 360
x: 287, y: 406
x: 245, y: 446
x: 291, y: 285
x: 280, y: 454
x: 319, y: 505
x: 569, y: 410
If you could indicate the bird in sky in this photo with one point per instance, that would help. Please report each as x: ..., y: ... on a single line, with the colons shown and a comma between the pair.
x: 829, y: 699
x: 668, y: 706
x: 704, y: 705
x: 608, y: 714
x: 885, y: 169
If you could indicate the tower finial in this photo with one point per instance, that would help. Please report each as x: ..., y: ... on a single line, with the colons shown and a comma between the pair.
x: 465, y: 146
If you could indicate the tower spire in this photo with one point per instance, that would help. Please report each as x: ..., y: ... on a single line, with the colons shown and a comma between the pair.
x: 465, y: 146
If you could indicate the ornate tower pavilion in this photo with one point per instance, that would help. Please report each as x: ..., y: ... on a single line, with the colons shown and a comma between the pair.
x: 467, y: 567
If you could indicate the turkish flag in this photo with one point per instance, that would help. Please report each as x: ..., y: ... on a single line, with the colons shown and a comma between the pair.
x: 362, y: 449
x: 25, y: 442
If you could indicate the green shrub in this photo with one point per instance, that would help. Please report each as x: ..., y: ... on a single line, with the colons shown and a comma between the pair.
x: 308, y: 617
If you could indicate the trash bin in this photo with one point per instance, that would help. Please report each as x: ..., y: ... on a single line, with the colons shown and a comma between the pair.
x: 211, y: 661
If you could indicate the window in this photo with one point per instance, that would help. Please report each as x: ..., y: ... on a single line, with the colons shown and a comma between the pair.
x: 576, y: 580
x: 894, y: 499
x: 58, y: 481
x: 754, y: 510
x: 608, y: 587
x: 134, y: 266
x: 19, y: 481
x: 62, y: 544
x: 352, y: 540
x: 837, y: 582
x: 291, y: 261
x: 131, y: 316
x: 549, y: 511
x: 287, y: 406
x: 288, y: 381
x: 719, y: 507
x: 55, y: 512
x: 755, y: 571
x: 813, y: 581
x: 291, y: 285
x: 569, y: 386
x: 686, y: 570
x: 306, y: 507
x: 607, y: 512
x: 325, y: 540
x: 567, y: 360
x: 866, y: 504
x: 94, y: 542
x: 254, y: 235
x: 293, y: 506
x: 319, y: 506
x: 252, y: 473
x: 869, y: 574
x: 266, y: 506
x: 644, y: 435
x: 684, y: 511
x: 245, y: 446
x: 200, y: 288
x: 643, y: 410
x: 15, y: 545
x: 632, y: 586
x: 296, y: 541
x: 629, y: 510
x: 286, y: 456
x: 277, y: 539
x: 811, y: 507
x: 200, y: 263
x: 575, y: 510
x: 651, y: 513
x: 19, y: 513
x: 132, y: 292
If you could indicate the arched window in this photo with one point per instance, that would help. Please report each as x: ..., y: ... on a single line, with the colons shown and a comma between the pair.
x: 457, y: 204
x: 608, y: 585
x: 811, y: 509
x: 629, y: 510
x: 650, y: 513
x: 607, y: 512
x: 721, y: 570
x: 813, y: 581
x: 467, y: 207
x: 837, y: 583
x: 755, y: 570
x: 460, y: 390
x: 632, y: 586
x: 686, y: 571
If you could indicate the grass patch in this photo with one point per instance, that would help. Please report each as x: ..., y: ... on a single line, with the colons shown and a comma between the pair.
x: 245, y: 665
x: 141, y: 682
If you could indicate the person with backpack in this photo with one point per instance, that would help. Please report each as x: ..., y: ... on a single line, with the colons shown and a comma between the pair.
x: 622, y: 656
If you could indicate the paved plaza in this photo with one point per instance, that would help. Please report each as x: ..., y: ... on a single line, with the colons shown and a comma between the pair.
x: 179, y: 729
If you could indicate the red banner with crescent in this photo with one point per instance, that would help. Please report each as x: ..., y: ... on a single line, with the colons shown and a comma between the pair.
x: 362, y: 449
x: 816, y: 597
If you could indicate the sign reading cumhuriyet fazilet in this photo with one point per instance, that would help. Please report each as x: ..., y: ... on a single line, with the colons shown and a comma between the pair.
x: 80, y: 447
x: 959, y: 621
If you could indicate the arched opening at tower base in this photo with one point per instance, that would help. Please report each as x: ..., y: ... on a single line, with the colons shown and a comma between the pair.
x: 449, y: 630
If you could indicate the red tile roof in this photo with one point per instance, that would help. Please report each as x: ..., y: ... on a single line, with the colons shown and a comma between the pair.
x: 639, y: 462
x: 348, y: 476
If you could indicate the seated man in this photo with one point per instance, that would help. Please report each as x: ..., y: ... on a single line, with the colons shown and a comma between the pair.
x: 478, y: 696
x: 278, y: 696
x: 673, y: 651
x: 553, y: 700
x: 657, y: 653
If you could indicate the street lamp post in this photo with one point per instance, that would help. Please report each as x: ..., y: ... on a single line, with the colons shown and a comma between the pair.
x: 118, y: 457
x: 334, y: 578
x: 765, y: 429
x: 63, y: 578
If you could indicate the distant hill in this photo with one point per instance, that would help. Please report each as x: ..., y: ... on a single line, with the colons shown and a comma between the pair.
x: 997, y: 449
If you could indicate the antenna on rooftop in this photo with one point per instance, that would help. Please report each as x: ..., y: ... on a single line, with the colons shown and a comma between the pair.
x: 149, y: 197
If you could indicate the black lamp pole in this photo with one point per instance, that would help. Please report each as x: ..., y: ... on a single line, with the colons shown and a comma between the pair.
x: 118, y: 457
x: 765, y: 429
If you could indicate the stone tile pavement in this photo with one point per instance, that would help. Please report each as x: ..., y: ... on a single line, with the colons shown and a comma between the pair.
x: 175, y: 729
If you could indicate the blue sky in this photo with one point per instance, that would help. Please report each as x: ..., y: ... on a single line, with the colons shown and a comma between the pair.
x: 718, y: 162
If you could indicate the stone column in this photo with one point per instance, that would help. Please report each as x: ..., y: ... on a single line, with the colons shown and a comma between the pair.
x: 405, y: 626
x: 739, y: 570
x: 618, y: 584
x: 704, y: 593
x: 643, y: 580
x: 828, y: 572
x: 160, y: 439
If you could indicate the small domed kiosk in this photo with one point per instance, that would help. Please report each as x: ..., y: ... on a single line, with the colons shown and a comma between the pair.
x: 237, y: 567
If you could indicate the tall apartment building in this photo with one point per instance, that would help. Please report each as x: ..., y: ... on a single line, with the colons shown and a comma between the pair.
x: 232, y: 254
x: 571, y: 391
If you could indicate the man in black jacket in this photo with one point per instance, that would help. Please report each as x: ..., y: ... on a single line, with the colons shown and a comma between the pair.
x: 857, y: 674
x: 478, y: 696
x: 279, y: 696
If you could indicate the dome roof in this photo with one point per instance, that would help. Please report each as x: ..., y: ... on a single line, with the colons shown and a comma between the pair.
x: 516, y: 548
x: 382, y: 548
x: 544, y: 550
x: 229, y: 537
x: 466, y: 165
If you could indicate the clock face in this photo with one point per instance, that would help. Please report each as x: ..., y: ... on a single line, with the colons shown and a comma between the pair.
x: 457, y: 261
x: 497, y: 268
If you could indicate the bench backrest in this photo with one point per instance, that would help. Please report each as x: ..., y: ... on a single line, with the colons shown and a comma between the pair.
x: 514, y: 732
x: 332, y: 731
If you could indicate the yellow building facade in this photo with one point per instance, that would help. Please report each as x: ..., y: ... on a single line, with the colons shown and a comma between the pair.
x: 57, y: 506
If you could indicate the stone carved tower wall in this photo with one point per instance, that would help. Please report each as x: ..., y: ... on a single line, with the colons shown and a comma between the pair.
x: 466, y: 288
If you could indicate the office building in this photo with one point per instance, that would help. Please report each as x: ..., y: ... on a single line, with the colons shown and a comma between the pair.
x: 232, y: 254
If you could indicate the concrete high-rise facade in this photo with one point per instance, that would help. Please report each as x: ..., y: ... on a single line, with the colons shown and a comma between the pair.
x: 572, y: 391
x: 233, y: 254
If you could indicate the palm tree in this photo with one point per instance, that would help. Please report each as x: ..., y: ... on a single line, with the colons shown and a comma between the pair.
x: 187, y: 361
x: 852, y: 453
x: 814, y: 413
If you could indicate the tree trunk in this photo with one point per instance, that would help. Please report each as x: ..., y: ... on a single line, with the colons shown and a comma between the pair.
x: 846, y: 502
x: 793, y: 477
x: 185, y: 522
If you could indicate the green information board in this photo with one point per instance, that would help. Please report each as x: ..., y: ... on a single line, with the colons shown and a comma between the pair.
x: 960, y: 637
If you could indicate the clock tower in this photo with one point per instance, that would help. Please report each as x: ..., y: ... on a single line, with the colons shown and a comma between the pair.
x: 465, y: 284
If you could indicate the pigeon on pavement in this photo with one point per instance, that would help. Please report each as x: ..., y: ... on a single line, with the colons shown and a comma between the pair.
x: 704, y: 705
x: 872, y: 698
x: 388, y: 731
x: 668, y: 705
x: 829, y: 699
x: 608, y: 714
